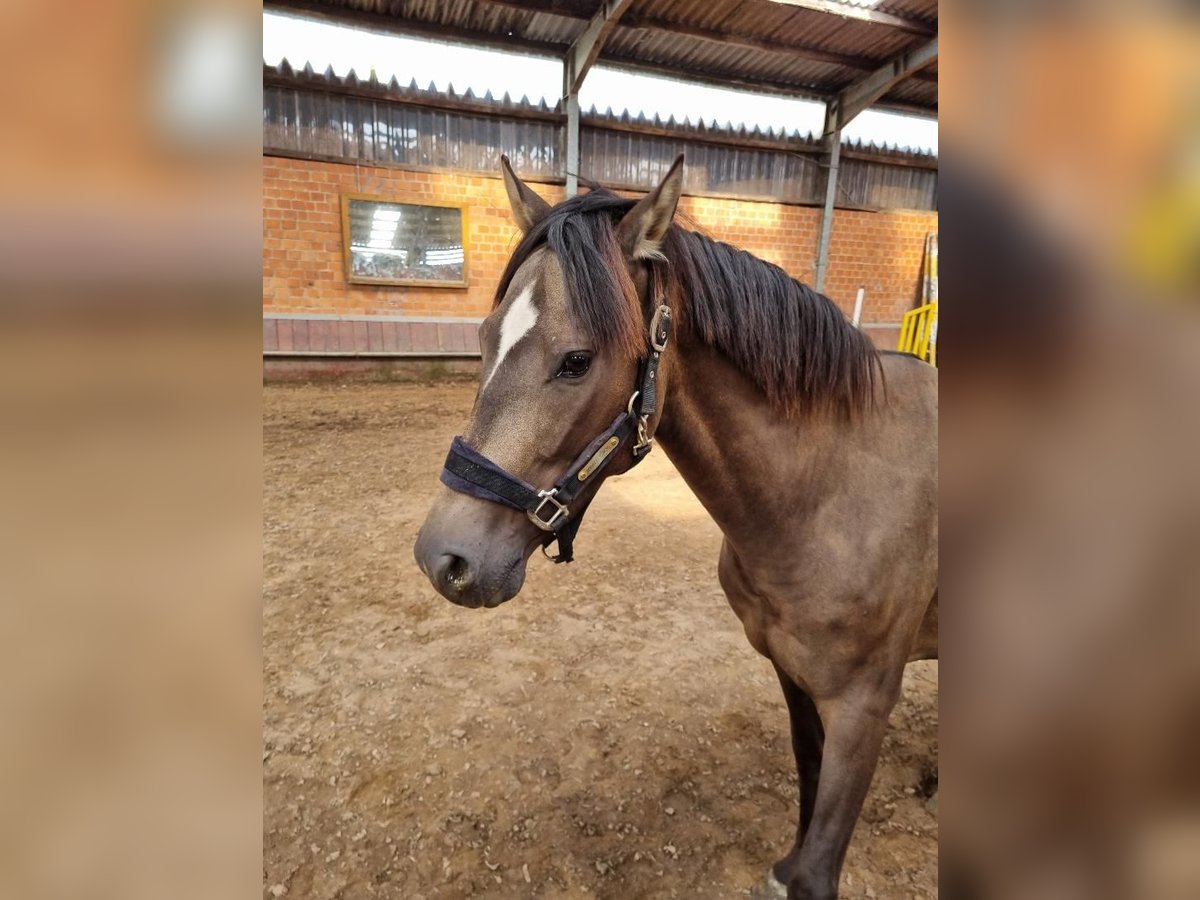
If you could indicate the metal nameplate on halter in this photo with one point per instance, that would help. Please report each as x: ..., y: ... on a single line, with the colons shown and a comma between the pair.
x: 598, y: 457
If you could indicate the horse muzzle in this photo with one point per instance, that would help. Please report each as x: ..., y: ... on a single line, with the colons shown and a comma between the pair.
x: 468, y: 573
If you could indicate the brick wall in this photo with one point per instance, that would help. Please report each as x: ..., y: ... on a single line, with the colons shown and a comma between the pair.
x: 309, y: 307
x: 880, y: 251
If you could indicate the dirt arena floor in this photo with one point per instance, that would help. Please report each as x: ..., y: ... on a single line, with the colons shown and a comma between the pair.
x: 608, y: 733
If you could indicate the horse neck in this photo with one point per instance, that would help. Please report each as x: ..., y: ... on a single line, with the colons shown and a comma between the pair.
x: 744, y: 460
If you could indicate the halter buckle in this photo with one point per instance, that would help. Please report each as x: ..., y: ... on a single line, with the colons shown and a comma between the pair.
x: 560, y: 511
x: 663, y: 312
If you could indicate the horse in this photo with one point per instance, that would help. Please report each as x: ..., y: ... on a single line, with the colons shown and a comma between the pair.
x: 614, y: 328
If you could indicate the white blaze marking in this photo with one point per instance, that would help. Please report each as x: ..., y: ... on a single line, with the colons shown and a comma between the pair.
x: 519, y: 319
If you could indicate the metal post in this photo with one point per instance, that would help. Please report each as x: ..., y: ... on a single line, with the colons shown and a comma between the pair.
x: 833, y: 144
x: 580, y: 57
x: 572, y: 144
x: 858, y: 304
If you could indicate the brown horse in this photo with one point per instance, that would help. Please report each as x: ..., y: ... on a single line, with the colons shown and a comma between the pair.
x: 815, y: 455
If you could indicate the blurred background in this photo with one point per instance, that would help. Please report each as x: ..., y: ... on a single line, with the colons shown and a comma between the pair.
x: 1069, y: 713
x: 129, y: 450
x: 130, y: 273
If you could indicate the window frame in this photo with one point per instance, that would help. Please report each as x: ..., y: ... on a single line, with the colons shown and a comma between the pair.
x: 347, y: 253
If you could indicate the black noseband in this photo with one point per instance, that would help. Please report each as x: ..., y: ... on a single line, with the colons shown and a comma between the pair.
x: 470, y: 472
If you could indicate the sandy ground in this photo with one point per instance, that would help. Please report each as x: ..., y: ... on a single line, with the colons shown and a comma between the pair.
x: 609, y: 733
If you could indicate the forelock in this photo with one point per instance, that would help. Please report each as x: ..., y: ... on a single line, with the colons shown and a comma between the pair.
x: 601, y: 298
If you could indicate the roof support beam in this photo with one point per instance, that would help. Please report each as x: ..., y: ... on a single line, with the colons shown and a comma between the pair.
x: 833, y: 150
x: 579, y: 59
x: 860, y: 95
x: 572, y: 139
x: 846, y: 11
x: 586, y: 48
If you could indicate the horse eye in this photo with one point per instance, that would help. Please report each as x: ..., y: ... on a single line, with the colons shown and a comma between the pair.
x: 574, y: 365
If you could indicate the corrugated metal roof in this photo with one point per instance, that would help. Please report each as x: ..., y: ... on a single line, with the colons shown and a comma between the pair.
x: 914, y: 93
x: 809, y: 48
x: 926, y: 10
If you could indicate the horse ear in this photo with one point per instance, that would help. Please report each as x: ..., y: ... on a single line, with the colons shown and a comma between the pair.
x: 527, y: 207
x: 642, y: 229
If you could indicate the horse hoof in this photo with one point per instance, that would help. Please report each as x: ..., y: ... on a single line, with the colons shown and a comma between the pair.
x: 770, y: 888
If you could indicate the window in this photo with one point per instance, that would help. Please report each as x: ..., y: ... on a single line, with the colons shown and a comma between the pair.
x: 404, y: 243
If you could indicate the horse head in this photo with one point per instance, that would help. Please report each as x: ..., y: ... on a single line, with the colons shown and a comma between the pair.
x: 570, y: 387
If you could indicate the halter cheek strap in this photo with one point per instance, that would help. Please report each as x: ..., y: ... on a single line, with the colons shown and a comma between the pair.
x: 470, y: 472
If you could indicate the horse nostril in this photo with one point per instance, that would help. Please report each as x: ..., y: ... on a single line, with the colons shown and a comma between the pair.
x: 456, y: 571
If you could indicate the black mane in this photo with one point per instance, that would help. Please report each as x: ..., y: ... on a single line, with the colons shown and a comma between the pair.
x: 793, y: 342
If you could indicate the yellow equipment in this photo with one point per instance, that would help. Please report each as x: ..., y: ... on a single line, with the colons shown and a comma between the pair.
x: 918, y: 328
x: 918, y: 332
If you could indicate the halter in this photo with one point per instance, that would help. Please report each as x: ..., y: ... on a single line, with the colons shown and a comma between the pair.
x: 470, y: 472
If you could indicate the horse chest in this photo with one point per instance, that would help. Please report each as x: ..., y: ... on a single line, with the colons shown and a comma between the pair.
x: 750, y: 597
x: 812, y: 632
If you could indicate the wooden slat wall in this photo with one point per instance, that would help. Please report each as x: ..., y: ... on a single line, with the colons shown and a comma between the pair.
x: 617, y: 152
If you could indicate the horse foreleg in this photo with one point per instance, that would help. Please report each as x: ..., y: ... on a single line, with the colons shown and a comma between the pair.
x: 807, y: 738
x: 855, y: 723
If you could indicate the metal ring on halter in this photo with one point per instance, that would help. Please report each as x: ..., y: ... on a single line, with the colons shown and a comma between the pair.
x: 632, y: 400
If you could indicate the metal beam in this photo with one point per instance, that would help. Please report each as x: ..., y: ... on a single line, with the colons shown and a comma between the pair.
x: 581, y: 56
x: 833, y: 149
x: 839, y: 112
x: 846, y: 11
x: 860, y: 95
x: 586, y: 48
x: 572, y: 138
